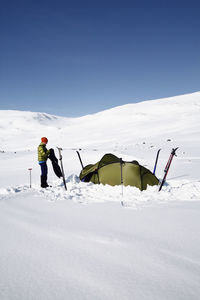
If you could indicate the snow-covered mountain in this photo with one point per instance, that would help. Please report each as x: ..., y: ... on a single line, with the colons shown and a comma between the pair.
x: 149, y: 121
x: 53, y: 247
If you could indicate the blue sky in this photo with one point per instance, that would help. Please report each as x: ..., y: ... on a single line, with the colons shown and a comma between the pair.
x: 73, y: 58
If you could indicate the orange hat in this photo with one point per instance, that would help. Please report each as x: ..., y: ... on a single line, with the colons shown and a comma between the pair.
x: 44, y: 140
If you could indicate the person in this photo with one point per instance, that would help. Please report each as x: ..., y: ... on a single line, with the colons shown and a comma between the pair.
x: 43, y: 154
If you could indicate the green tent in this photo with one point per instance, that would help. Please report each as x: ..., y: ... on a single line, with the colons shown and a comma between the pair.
x: 114, y: 171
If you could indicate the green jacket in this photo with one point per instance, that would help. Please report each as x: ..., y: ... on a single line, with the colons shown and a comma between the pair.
x: 43, y: 152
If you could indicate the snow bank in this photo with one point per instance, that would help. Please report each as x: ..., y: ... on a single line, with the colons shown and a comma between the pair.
x: 85, y: 193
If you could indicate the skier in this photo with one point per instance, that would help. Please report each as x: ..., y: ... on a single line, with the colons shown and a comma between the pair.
x: 43, y: 154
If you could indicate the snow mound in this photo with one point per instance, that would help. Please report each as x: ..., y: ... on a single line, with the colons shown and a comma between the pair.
x: 87, y: 193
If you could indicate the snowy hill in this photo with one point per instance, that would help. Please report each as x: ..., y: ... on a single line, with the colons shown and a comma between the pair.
x: 82, y: 243
x: 149, y: 121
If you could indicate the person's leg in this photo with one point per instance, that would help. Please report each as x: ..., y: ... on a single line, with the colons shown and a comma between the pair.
x: 44, y: 171
x: 45, y: 175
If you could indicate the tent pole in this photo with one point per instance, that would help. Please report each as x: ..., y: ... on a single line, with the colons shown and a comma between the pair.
x: 122, y: 183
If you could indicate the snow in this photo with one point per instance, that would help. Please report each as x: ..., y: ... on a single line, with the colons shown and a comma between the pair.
x: 83, y: 243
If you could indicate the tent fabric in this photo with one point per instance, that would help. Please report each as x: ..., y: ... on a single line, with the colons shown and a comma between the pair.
x: 113, y: 171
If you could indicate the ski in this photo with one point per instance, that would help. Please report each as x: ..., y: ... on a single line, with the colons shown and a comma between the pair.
x: 173, y: 153
x: 62, y: 169
x: 80, y: 159
x: 154, y: 170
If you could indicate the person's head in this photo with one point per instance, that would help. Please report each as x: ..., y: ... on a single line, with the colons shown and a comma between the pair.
x: 44, y: 140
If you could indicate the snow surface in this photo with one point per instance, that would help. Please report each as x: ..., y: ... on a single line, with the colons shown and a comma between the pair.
x: 82, y: 243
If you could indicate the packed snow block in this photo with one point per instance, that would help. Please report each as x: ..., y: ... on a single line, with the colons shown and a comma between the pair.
x: 114, y: 171
x: 55, y: 164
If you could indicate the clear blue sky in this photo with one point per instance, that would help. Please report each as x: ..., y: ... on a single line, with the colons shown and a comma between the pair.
x: 78, y: 57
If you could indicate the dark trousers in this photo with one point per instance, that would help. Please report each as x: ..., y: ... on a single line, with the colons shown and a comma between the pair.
x: 44, y: 171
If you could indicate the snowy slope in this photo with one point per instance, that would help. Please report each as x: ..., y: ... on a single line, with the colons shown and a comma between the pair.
x: 146, y: 121
x: 83, y: 244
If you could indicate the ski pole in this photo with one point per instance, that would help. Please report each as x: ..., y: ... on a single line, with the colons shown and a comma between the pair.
x: 154, y: 170
x: 80, y: 159
x: 62, y: 169
x: 173, y: 153
x: 30, y: 175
